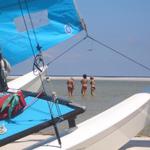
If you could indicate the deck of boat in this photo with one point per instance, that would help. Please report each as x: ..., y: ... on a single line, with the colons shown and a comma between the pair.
x: 39, y: 114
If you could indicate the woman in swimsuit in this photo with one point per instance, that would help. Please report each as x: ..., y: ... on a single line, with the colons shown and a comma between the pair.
x: 84, y: 85
x: 93, y: 87
x: 70, y: 86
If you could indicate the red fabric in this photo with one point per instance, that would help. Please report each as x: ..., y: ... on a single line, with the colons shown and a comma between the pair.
x: 17, y: 109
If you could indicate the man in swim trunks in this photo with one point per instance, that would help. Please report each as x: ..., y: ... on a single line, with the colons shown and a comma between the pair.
x: 70, y: 86
x: 84, y: 82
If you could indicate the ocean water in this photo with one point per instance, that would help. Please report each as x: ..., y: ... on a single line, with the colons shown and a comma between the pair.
x: 108, y: 93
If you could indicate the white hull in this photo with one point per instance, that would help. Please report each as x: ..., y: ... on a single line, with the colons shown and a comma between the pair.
x: 109, y: 130
x: 28, y: 82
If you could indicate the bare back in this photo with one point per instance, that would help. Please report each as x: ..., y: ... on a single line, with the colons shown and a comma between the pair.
x: 84, y: 83
x: 70, y: 83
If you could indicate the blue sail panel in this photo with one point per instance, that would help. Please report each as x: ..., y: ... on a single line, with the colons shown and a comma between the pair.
x: 24, y: 23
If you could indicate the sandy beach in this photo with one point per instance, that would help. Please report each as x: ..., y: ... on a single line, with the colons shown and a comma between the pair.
x: 32, y: 141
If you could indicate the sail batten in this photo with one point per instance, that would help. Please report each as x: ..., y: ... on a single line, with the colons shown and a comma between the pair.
x: 54, y: 21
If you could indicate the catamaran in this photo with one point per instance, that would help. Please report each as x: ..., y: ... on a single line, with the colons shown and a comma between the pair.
x: 29, y: 27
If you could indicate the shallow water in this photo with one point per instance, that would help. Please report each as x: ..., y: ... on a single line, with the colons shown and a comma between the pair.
x: 107, y: 94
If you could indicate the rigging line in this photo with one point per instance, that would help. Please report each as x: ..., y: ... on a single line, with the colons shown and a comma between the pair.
x: 54, y: 124
x: 121, y: 54
x: 27, y: 7
x: 40, y: 57
x: 30, y: 40
x: 26, y: 3
x: 35, y: 63
x: 19, y: 1
x: 35, y: 99
x: 51, y: 114
x: 13, y: 4
x: 66, y: 51
x: 38, y: 47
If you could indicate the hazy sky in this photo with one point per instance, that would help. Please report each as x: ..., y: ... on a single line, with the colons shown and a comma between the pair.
x: 123, y: 25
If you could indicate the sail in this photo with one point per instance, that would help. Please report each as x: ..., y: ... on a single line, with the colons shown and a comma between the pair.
x: 26, y: 23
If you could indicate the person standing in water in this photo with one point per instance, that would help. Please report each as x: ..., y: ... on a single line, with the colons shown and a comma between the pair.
x: 4, y: 70
x: 70, y: 86
x: 84, y: 82
x: 93, y: 85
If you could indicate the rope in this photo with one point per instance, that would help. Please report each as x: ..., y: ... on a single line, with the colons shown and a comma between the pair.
x: 38, y: 64
x: 34, y: 33
x: 19, y: 2
x: 119, y: 53
x: 35, y: 57
x: 38, y: 58
x: 13, y: 4
x: 33, y: 101
x: 66, y: 51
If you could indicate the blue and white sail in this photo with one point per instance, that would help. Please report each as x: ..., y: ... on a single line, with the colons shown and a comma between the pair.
x: 52, y: 21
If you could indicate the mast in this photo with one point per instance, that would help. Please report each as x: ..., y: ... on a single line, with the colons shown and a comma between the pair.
x: 83, y: 24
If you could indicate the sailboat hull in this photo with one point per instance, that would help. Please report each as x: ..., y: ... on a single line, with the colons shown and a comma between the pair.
x: 28, y: 82
x: 110, y: 129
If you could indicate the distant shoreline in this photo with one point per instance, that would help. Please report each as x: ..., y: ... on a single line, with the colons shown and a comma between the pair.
x: 115, y: 78
x: 105, y: 78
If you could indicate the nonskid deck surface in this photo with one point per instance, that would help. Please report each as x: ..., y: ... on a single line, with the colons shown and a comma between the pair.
x: 35, y: 117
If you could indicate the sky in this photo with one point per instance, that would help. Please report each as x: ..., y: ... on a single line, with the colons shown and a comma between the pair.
x: 123, y: 25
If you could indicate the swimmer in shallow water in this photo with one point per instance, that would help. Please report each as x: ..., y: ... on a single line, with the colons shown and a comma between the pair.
x: 93, y: 85
x: 70, y: 86
x: 84, y: 82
